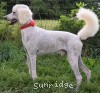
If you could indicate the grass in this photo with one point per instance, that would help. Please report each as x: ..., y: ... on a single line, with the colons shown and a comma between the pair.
x: 47, y: 24
x: 51, y: 69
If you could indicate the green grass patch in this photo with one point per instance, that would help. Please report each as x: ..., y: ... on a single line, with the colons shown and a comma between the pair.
x: 48, y: 24
x: 51, y: 69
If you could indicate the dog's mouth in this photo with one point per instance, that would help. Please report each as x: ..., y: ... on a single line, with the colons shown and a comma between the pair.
x: 13, y: 21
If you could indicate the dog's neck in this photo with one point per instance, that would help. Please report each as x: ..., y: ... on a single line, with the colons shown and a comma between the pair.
x: 30, y: 23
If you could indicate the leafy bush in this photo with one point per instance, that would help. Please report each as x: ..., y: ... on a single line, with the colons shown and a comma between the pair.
x: 71, y: 24
x: 11, y: 51
x: 2, y: 10
x: 8, y: 32
x: 5, y: 34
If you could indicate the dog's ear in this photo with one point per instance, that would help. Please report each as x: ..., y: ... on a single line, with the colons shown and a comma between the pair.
x: 24, y: 15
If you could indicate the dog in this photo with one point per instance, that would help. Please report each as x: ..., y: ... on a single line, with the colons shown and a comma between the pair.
x: 40, y: 41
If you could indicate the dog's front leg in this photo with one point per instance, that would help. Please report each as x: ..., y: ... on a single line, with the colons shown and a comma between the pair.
x: 33, y: 66
x: 28, y: 60
x: 28, y: 64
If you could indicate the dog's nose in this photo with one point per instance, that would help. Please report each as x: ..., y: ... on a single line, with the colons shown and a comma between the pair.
x: 5, y: 17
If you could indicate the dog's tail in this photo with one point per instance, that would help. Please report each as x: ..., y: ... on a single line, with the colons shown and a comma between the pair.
x: 91, y: 23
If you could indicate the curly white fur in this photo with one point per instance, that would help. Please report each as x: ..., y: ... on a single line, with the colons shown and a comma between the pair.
x: 21, y: 13
x: 24, y: 13
x: 91, y: 21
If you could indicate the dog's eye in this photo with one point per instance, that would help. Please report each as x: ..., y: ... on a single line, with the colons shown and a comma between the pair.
x: 14, y: 12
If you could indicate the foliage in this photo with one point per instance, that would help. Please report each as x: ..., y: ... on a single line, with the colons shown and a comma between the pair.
x: 5, y: 32
x: 9, y: 33
x: 2, y: 10
x: 81, y: 4
x: 10, y: 51
x: 45, y: 9
x: 52, y: 9
x: 71, y: 24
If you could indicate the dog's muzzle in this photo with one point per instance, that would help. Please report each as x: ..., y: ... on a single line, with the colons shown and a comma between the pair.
x: 13, y: 21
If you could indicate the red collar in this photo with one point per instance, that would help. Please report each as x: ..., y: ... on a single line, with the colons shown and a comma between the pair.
x: 31, y: 24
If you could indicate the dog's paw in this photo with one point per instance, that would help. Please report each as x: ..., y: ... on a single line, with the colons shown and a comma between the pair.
x: 34, y: 77
x: 89, y: 76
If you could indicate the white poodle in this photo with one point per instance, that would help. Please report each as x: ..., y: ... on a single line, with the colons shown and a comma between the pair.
x: 39, y: 41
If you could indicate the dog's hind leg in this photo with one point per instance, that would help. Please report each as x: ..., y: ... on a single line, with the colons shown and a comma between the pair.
x: 73, y: 61
x: 84, y: 68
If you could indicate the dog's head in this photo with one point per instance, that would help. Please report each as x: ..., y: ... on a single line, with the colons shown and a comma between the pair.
x: 20, y: 13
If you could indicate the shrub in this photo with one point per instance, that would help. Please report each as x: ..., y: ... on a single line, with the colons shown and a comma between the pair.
x: 2, y: 10
x: 5, y: 34
x: 11, y: 51
x: 71, y: 24
x: 10, y: 33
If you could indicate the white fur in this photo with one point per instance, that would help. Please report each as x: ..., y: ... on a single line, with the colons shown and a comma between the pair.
x: 38, y: 41
x: 24, y: 13
x: 91, y: 23
x: 18, y: 6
